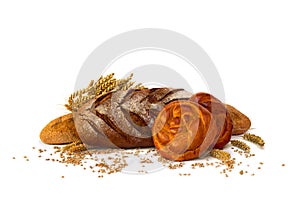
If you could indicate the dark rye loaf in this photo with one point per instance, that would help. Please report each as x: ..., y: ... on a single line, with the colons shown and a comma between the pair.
x: 123, y: 118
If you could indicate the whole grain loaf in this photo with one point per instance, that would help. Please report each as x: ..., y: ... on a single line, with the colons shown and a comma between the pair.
x: 123, y: 118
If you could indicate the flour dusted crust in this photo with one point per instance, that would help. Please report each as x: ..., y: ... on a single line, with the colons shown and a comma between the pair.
x: 123, y: 118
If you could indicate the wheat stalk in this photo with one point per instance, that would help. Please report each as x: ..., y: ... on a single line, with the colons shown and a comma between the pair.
x: 254, y: 138
x: 220, y: 154
x: 241, y: 145
x: 102, y: 86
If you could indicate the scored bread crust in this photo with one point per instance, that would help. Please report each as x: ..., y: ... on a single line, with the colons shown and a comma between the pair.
x: 123, y: 118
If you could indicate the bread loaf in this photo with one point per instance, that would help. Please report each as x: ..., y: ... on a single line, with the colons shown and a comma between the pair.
x: 123, y: 118
x: 220, y: 114
x: 241, y: 123
x: 184, y: 130
x: 60, y: 131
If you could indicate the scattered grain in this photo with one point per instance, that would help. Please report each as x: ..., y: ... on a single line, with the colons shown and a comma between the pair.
x: 175, y: 166
x: 109, y: 161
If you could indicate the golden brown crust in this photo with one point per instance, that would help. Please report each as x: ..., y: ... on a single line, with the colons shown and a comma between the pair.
x: 219, y: 113
x: 60, y: 131
x: 184, y: 130
x: 241, y: 123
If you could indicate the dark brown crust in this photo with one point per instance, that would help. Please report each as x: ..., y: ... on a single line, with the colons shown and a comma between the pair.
x: 184, y: 130
x: 124, y: 118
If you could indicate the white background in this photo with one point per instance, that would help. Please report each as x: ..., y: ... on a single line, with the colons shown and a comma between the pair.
x: 255, y: 46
